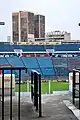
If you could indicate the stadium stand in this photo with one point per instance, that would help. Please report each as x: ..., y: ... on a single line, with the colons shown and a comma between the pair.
x: 44, y: 62
x: 4, y: 47
x: 47, y: 66
x: 49, y: 46
x: 60, y: 62
x: 61, y: 67
x: 32, y: 48
x: 67, y: 47
x: 15, y: 46
x: 30, y: 62
x: 48, y: 71
x: 15, y: 61
x: 3, y: 60
x: 73, y: 63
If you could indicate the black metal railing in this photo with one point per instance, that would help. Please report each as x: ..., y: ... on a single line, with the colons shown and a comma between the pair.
x: 36, y: 90
x: 11, y: 69
x: 76, y: 86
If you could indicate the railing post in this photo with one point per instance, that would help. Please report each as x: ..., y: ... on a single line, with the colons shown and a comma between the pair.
x: 73, y: 92
x: 11, y: 87
x: 19, y: 95
x: 40, y: 112
x: 11, y: 98
x: 36, y: 91
x: 35, y: 88
x: 2, y: 94
x: 32, y: 85
x: 79, y: 89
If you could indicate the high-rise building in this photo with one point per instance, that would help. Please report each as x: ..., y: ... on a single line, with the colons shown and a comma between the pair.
x: 15, y: 27
x: 26, y: 26
x: 22, y: 26
x: 39, y: 26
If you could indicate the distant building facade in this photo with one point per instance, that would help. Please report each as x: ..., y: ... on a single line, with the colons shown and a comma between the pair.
x: 58, y: 35
x: 26, y: 26
x: 22, y: 26
x: 15, y: 27
x: 39, y: 26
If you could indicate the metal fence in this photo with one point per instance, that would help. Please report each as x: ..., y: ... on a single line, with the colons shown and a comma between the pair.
x: 36, y: 90
x: 11, y: 69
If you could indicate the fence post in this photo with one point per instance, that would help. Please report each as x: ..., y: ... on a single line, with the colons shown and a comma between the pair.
x: 32, y: 85
x: 73, y: 92
x: 36, y: 99
x: 19, y: 95
x: 2, y: 94
x: 36, y: 90
x: 11, y: 99
x: 79, y: 89
x: 40, y: 112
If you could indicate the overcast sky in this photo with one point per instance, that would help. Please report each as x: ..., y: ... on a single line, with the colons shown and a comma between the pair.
x: 61, y: 15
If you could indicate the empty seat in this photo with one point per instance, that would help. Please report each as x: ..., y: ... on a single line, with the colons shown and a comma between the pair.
x: 15, y: 61
x: 30, y: 62
x: 45, y: 62
x: 48, y: 71
x: 3, y: 60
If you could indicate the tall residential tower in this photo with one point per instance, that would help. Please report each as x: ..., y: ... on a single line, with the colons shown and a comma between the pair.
x: 22, y: 26
x: 39, y: 26
x: 27, y: 27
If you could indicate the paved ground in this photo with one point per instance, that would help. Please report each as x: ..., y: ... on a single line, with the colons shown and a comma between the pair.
x: 53, y: 108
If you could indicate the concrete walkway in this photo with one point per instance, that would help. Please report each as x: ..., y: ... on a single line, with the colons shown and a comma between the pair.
x: 53, y: 108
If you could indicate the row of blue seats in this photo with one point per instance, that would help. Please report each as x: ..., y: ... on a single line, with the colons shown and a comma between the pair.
x: 43, y: 65
x: 61, y: 47
x: 67, y: 47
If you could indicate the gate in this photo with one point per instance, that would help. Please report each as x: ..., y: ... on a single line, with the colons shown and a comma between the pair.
x: 11, y: 71
x: 36, y: 90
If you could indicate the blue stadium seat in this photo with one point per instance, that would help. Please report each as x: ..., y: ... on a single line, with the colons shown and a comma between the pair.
x: 45, y: 62
x: 61, y: 71
x: 15, y: 46
x: 5, y: 47
x: 49, y: 46
x: 30, y: 62
x: 48, y: 71
x: 15, y: 61
x: 3, y: 60
x: 32, y: 48
x: 60, y: 62
x: 67, y: 47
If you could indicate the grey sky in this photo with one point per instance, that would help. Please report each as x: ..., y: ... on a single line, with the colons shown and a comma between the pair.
x: 60, y: 14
